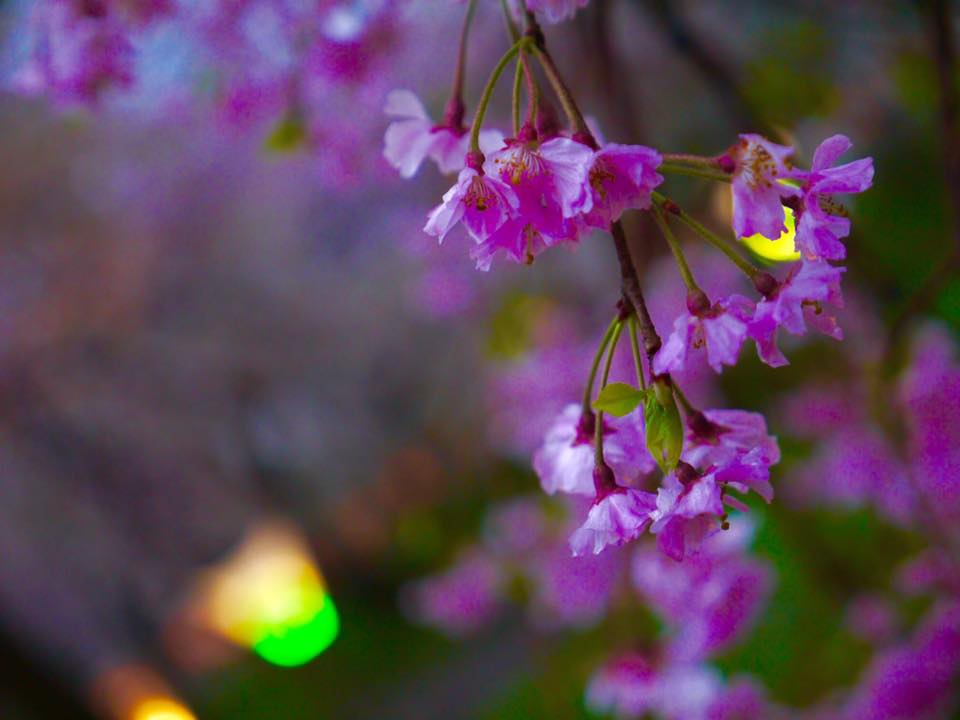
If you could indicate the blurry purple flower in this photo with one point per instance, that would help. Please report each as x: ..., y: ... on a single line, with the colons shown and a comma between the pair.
x: 618, y: 517
x: 461, y: 600
x: 872, y: 618
x: 630, y: 687
x: 554, y: 11
x: 915, y: 680
x: 724, y: 435
x: 412, y: 137
x: 80, y: 49
x: 708, y: 601
x: 564, y: 463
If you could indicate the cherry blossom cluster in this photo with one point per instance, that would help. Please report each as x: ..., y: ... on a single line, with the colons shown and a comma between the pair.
x: 628, y: 448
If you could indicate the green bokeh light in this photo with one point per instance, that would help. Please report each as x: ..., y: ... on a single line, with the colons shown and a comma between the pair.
x: 300, y: 639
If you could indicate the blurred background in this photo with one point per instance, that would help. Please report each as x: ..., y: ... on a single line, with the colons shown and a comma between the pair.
x: 245, y: 404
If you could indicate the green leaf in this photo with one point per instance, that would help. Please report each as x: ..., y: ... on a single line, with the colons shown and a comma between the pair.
x: 287, y: 135
x: 664, y: 427
x: 618, y: 399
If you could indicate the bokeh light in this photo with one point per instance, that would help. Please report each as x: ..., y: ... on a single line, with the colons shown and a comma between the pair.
x: 780, y: 250
x: 161, y: 709
x: 269, y: 596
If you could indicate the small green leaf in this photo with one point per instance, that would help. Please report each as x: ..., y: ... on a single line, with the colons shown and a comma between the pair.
x: 287, y: 135
x: 618, y: 399
x: 664, y: 428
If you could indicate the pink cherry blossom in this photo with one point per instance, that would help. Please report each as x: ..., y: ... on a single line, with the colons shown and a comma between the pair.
x: 621, y: 177
x: 481, y: 202
x: 630, y: 686
x: 799, y: 300
x: 720, y: 436
x: 618, y: 517
x: 554, y: 11
x: 821, y: 222
x: 412, y: 137
x: 461, y: 600
x: 549, y: 181
x: 564, y: 463
x: 690, y: 506
x: 759, y: 165
x: 720, y: 329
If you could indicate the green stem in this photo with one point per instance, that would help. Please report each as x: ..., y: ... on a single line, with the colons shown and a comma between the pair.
x: 675, y: 249
x: 598, y: 428
x: 688, y: 407
x: 517, y: 87
x: 588, y: 391
x: 533, y: 88
x: 695, y: 172
x: 488, y: 93
x: 635, y: 346
x: 458, y: 74
x: 719, y: 243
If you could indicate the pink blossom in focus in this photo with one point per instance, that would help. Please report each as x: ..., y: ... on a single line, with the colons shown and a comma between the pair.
x: 757, y: 191
x: 481, y: 202
x: 799, y: 300
x: 720, y: 329
x: 820, y: 221
x: 621, y: 178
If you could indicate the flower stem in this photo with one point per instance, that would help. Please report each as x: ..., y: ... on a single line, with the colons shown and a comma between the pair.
x: 630, y: 286
x: 598, y: 428
x: 719, y: 243
x: 635, y: 347
x: 588, y: 391
x: 688, y: 159
x: 570, y: 107
x: 455, y: 107
x: 694, y: 172
x: 488, y: 93
x: 512, y: 28
x: 517, y: 88
x: 675, y: 249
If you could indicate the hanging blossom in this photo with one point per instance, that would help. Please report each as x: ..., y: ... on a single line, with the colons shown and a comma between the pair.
x: 617, y: 515
x: 564, y: 463
x: 483, y: 204
x: 621, y: 178
x: 758, y: 166
x: 720, y: 328
x: 553, y: 11
x: 795, y: 302
x: 690, y: 506
x: 821, y: 222
x: 549, y: 181
x: 412, y: 137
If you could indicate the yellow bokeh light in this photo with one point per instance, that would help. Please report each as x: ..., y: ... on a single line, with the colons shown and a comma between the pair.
x: 783, y: 249
x: 269, y: 596
x: 161, y: 709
